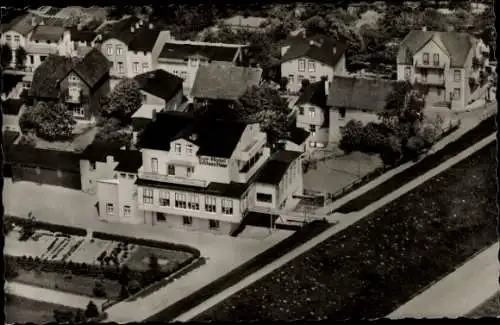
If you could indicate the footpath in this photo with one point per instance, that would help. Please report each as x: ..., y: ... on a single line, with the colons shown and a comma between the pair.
x: 459, y: 293
x: 50, y: 296
x: 344, y: 221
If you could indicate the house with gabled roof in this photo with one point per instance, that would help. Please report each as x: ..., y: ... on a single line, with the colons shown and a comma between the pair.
x: 202, y: 173
x: 79, y: 83
x: 444, y: 62
x: 311, y: 58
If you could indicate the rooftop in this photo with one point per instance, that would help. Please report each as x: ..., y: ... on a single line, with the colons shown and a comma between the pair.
x: 320, y: 48
x: 182, y: 51
x: 129, y: 161
x: 274, y: 169
x: 146, y: 111
x: 159, y: 83
x: 250, y: 21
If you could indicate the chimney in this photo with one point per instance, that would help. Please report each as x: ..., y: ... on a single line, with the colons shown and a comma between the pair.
x: 153, y: 117
x: 109, y: 159
x: 424, y: 28
x: 132, y: 29
x: 137, y: 25
x: 151, y: 26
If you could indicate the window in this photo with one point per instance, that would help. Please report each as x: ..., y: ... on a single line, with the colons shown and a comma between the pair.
x: 180, y: 200
x: 301, y: 110
x: 178, y: 148
x: 121, y: 67
x: 407, y: 72
x: 425, y: 58
x: 457, y: 76
x: 189, y: 171
x: 130, y: 176
x: 110, y: 208
x: 262, y: 197
x: 109, y: 50
x: 186, y: 220
x: 210, y: 204
x: 154, y: 165
x: 123, y: 175
x: 311, y: 66
x: 189, y: 149
x: 161, y: 217
x: 456, y: 93
x: 17, y: 40
x: 213, y: 224
x: 8, y: 38
x: 438, y: 91
x: 194, y: 62
x: 164, y: 199
x: 313, y: 78
x: 126, y: 210
x: 92, y: 165
x: 145, y: 67
x: 147, y: 196
x: 78, y: 111
x: 291, y: 78
x: 37, y: 170
x: 119, y: 51
x: 135, y: 66
x: 184, y: 75
x: 435, y: 58
x: 31, y: 59
x: 312, y: 129
x: 300, y: 78
x: 302, y: 65
x: 312, y: 112
x: 170, y: 169
x: 194, y: 202
x: 42, y: 58
x: 227, y: 206
x: 342, y: 112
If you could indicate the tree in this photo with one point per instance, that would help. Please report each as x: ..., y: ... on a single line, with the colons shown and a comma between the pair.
x: 20, y: 57
x: 124, y: 294
x: 134, y: 286
x: 10, y: 269
x: 305, y: 83
x: 391, y: 152
x: 91, y: 311
x: 28, y: 140
x: 51, y: 122
x: 123, y: 101
x: 99, y: 290
x: 124, y: 276
x: 351, y: 135
x: 414, y: 145
x: 153, y: 262
x: 114, y: 132
x: 5, y: 55
x: 79, y: 317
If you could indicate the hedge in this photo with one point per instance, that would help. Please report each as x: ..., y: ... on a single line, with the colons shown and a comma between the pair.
x: 147, y: 242
x: 309, y: 231
x: 47, y: 226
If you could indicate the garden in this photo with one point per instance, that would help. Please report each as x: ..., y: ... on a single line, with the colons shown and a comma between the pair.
x: 490, y: 308
x: 21, y: 311
x: 374, y: 266
x: 105, y: 267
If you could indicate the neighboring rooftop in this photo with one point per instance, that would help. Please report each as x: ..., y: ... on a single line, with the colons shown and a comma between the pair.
x: 144, y: 40
x: 159, y: 83
x: 456, y: 45
x: 93, y: 67
x: 274, y: 169
x: 181, y: 51
x: 12, y: 106
x: 129, y: 161
x: 360, y: 93
x: 44, y: 33
x: 319, y: 47
x: 22, y: 24
x: 219, y: 81
x: 146, y: 111
x: 314, y: 94
x: 121, y: 30
x: 240, y: 21
x: 44, y: 158
x: 82, y: 35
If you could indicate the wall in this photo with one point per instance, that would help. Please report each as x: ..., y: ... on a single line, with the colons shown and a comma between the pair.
x: 103, y: 170
x: 152, y: 99
x: 199, y: 224
x: 13, y: 45
x: 107, y: 192
x: 114, y: 57
x: 141, y: 58
x: 336, y: 122
x: 45, y: 176
x: 175, y: 102
x: 340, y: 67
x: 127, y: 195
x: 292, y: 68
x: 316, y: 117
x: 290, y: 184
x: 265, y: 189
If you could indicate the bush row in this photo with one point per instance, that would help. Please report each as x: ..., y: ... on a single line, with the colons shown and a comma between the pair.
x: 47, y: 226
x: 147, y: 242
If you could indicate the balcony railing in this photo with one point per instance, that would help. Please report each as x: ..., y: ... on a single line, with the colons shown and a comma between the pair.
x: 171, y: 179
x: 429, y: 64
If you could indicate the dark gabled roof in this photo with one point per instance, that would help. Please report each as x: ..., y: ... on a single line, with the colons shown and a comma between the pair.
x: 298, y: 135
x: 82, y: 35
x: 458, y: 45
x: 12, y: 106
x: 97, y: 151
x: 211, y: 52
x: 46, y: 77
x: 222, y: 81
x: 313, y: 94
x: 232, y: 190
x: 129, y: 161
x: 93, y: 67
x: 8, y: 139
x: 274, y: 169
x: 47, y: 33
x: 214, y: 137
x: 159, y: 83
x: 22, y: 24
x: 140, y: 123
x: 144, y: 40
x: 321, y: 50
x: 360, y: 93
x: 44, y: 158
x: 121, y: 30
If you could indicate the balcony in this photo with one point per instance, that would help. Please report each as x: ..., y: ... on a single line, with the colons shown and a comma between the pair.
x: 251, y: 149
x: 171, y: 179
x: 437, y: 82
x: 429, y: 64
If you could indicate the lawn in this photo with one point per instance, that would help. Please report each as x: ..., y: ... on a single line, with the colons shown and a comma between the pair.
x: 379, y: 263
x: 139, y: 260
x: 21, y: 310
x: 80, y: 285
x: 490, y: 308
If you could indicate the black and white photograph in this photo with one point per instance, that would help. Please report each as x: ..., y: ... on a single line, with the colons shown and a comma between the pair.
x: 249, y: 161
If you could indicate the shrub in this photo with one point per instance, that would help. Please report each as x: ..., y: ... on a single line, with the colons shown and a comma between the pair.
x: 63, y: 316
x: 50, y: 121
x: 91, y: 311
x: 472, y: 84
x: 391, y: 152
x: 134, y: 286
x: 351, y: 136
x: 28, y: 140
x: 153, y: 262
x: 372, y: 139
x: 79, y: 317
x: 99, y: 290
x: 414, y: 146
x: 124, y: 294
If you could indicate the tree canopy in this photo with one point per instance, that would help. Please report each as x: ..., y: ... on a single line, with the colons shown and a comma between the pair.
x: 5, y: 55
x: 51, y: 122
x: 123, y: 101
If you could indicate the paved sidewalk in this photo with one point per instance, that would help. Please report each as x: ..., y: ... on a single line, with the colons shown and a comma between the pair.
x: 469, y: 121
x: 460, y: 292
x: 344, y: 221
x: 50, y: 296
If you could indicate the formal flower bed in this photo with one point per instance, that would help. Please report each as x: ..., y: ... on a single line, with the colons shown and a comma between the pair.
x: 374, y: 266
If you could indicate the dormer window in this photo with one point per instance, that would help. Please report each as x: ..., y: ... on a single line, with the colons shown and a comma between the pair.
x: 178, y: 148
x: 425, y: 58
x: 194, y: 62
x: 189, y: 149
